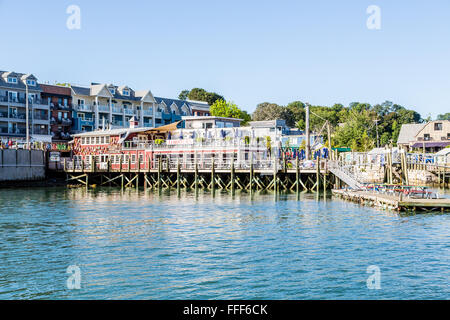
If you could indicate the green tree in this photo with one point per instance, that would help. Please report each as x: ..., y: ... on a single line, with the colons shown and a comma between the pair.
x: 268, y: 111
x: 183, y: 95
x: 445, y: 116
x: 200, y: 94
x: 222, y: 108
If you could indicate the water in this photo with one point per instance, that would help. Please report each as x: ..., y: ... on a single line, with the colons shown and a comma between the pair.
x: 137, y: 245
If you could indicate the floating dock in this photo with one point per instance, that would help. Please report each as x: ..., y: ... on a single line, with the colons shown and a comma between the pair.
x: 392, y: 202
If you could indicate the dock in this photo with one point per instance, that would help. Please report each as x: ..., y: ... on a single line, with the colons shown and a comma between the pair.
x: 393, y: 202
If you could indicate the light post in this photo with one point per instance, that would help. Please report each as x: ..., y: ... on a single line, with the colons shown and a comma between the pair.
x: 27, y: 115
x: 376, y: 125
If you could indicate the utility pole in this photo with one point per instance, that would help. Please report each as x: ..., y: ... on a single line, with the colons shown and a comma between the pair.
x: 308, y: 140
x: 27, y: 115
x: 376, y: 124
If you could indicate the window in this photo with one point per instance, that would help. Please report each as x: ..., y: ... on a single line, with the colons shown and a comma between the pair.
x: 12, y: 96
x: 81, y: 102
x: 65, y: 102
x: 426, y: 137
x: 107, y: 139
x: 31, y: 83
x: 126, y: 93
x: 112, y: 90
x: 97, y: 140
x: 12, y: 80
x: 438, y: 126
x: 133, y: 158
x: 448, y: 136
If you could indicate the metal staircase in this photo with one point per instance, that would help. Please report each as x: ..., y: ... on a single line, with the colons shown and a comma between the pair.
x: 345, y: 174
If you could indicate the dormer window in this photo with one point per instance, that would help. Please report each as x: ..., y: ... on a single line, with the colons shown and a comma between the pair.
x: 12, y: 80
x: 126, y: 93
x: 31, y: 83
x: 112, y: 90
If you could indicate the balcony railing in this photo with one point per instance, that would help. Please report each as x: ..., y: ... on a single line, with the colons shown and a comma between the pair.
x: 40, y: 117
x: 147, y: 113
x: 40, y: 132
x: 117, y: 110
x: 103, y: 108
x: 129, y: 112
x: 117, y: 123
x: 158, y: 114
x: 21, y: 116
x: 84, y: 107
x: 3, y: 114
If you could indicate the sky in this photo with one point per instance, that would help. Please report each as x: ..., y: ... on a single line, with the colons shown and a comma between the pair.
x: 321, y: 52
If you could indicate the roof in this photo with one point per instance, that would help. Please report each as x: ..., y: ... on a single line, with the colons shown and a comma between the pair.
x: 408, y: 132
x: 111, y: 132
x: 267, y: 124
x: 21, y: 77
x: 431, y: 144
x: 54, y: 89
x: 443, y: 152
x: 196, y: 118
x: 121, y: 131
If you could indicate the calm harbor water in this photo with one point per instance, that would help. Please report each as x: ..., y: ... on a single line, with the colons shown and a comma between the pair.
x: 138, y: 245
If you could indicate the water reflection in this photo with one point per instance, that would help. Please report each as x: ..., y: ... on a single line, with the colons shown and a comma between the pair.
x: 166, y: 245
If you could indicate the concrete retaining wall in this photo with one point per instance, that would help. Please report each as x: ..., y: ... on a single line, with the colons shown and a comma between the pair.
x: 22, y: 165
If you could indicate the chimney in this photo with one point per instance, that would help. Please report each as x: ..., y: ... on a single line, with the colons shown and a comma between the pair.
x: 133, y: 123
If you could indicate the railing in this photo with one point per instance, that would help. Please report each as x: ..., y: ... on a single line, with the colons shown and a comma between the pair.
x: 84, y: 107
x: 103, y: 108
x: 147, y: 113
x: 40, y: 117
x: 21, y: 116
x: 267, y: 165
x: 129, y: 111
x: 158, y: 114
x: 3, y: 114
x: 41, y: 132
x: 117, y: 110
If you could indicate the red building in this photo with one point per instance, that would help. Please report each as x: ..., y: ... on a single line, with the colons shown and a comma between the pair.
x: 60, y: 100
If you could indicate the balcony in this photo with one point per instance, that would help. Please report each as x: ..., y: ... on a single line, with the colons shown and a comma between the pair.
x: 3, y: 129
x: 117, y: 123
x: 102, y: 108
x: 158, y: 114
x: 43, y: 132
x: 148, y: 123
x: 83, y: 108
x: 129, y: 112
x: 18, y: 116
x: 167, y: 116
x: 18, y: 131
x: 147, y: 113
x: 118, y: 110
x: 57, y: 106
x: 3, y: 114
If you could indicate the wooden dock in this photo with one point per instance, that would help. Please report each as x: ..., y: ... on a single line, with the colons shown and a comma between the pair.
x: 392, y: 202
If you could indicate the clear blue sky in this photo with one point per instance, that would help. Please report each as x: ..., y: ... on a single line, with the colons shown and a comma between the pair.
x: 319, y: 52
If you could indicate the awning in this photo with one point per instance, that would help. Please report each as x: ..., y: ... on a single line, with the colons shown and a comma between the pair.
x: 41, y: 138
x: 166, y: 128
x: 431, y: 144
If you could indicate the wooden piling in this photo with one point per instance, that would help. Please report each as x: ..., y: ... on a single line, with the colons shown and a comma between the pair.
x: 232, y: 175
